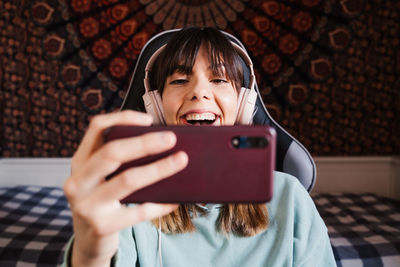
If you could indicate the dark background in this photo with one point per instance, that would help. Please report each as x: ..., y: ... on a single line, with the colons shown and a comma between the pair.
x: 328, y: 70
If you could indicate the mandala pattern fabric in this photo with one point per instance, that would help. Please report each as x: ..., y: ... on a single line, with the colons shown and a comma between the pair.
x: 327, y: 69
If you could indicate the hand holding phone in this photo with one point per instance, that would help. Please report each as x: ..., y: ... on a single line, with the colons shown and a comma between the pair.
x: 227, y: 164
x: 95, y: 204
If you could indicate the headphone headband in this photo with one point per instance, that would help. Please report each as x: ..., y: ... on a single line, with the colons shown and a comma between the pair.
x: 246, y: 99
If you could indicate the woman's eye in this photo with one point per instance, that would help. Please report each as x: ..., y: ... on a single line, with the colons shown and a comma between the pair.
x: 179, y: 81
x: 219, y: 81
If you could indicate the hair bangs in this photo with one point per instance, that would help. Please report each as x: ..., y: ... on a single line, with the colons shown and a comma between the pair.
x: 223, y: 58
x: 224, y: 63
x: 180, y: 55
x: 182, y: 59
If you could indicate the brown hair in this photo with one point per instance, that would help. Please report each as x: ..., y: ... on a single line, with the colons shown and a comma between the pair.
x: 238, y: 219
x: 180, y: 55
x: 181, y: 51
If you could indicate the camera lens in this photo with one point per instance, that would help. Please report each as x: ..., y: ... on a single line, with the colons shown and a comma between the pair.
x: 262, y: 142
x: 235, y: 142
x: 257, y: 142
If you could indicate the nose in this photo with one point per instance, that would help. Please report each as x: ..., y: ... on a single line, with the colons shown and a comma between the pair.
x: 200, y: 89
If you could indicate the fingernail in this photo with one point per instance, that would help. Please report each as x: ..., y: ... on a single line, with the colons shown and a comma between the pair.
x: 168, y: 138
x: 181, y: 158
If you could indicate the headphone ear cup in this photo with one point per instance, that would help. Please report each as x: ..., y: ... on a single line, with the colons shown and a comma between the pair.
x: 153, y: 105
x: 247, y: 101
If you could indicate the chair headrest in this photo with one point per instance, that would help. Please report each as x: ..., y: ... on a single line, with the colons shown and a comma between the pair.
x: 291, y: 156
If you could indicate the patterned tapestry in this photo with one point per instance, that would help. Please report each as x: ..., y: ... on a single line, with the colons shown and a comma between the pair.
x: 328, y: 70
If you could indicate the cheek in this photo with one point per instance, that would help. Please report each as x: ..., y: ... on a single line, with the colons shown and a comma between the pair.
x: 229, y: 103
x: 170, y: 108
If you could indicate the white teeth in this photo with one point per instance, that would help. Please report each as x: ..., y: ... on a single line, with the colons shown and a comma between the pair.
x: 200, y: 116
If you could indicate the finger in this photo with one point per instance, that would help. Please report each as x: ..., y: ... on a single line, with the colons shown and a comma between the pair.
x: 136, y: 178
x: 93, y: 137
x: 109, y: 157
x: 131, y: 215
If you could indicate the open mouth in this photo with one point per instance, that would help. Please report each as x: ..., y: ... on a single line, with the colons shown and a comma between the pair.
x: 207, y: 118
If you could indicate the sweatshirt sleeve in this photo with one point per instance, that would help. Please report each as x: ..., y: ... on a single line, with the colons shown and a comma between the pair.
x: 67, y: 253
x: 126, y: 254
x: 312, y: 245
x: 320, y: 254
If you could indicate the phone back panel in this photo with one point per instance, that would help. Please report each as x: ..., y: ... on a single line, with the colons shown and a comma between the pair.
x: 217, y: 172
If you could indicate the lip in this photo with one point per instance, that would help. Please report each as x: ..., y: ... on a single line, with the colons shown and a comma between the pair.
x: 182, y: 118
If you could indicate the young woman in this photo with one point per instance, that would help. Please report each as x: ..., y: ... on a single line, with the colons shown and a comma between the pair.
x: 198, y: 76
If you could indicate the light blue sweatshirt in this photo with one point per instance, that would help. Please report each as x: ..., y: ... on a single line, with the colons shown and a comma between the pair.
x: 296, y: 236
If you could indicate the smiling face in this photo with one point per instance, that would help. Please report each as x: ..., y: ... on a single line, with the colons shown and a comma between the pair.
x: 198, y: 75
x: 201, y: 97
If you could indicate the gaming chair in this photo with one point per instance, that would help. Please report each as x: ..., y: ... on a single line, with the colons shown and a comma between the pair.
x: 291, y: 156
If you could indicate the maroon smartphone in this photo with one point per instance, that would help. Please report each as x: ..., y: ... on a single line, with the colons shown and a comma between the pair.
x: 227, y: 164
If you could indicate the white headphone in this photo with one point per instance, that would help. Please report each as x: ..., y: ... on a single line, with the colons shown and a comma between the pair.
x: 246, y: 99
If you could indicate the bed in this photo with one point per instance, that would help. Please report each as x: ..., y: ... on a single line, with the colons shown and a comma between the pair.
x: 35, y: 225
x: 364, y: 229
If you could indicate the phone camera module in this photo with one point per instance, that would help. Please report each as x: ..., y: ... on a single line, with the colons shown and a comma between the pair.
x: 236, y: 142
x: 243, y: 142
